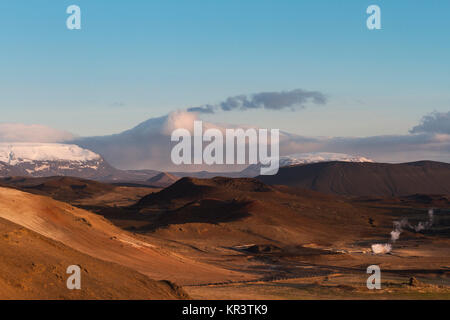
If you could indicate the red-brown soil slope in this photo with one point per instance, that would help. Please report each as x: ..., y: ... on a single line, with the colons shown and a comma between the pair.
x: 34, y: 267
x: 93, y: 235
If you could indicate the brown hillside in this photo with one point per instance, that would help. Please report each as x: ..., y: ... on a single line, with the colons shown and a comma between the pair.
x: 94, y: 236
x: 230, y: 211
x: 366, y: 179
x: 34, y: 267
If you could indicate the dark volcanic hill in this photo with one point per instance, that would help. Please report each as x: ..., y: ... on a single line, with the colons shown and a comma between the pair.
x: 189, y: 189
x: 366, y: 179
x: 237, y: 211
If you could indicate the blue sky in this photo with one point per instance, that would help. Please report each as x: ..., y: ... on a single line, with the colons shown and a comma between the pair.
x: 133, y: 60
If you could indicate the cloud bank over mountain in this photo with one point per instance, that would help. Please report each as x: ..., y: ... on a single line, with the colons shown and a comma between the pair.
x: 19, y: 132
x: 148, y: 146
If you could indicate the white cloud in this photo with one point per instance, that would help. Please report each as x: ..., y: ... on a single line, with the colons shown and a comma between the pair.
x: 19, y: 132
x: 179, y: 119
x: 148, y: 145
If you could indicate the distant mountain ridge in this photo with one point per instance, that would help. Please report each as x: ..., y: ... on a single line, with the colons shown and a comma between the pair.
x: 366, y: 179
x: 305, y: 158
x: 40, y: 160
x: 57, y: 159
x: 162, y: 179
x: 47, y: 159
x: 351, y: 175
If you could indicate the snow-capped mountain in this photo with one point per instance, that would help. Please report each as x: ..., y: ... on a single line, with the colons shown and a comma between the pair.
x: 51, y: 159
x: 305, y: 158
x: 57, y: 159
x: 16, y: 153
x: 312, y: 157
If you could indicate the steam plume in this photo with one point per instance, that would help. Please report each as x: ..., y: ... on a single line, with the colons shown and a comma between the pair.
x: 399, y: 227
x: 381, y: 248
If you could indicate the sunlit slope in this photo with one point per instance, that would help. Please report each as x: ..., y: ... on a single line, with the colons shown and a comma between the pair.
x: 96, y: 237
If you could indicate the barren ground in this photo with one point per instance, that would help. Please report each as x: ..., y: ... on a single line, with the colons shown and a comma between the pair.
x: 232, y: 239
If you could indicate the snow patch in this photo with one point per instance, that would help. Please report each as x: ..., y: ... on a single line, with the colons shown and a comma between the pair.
x: 313, y: 157
x: 15, y: 153
x: 41, y: 168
